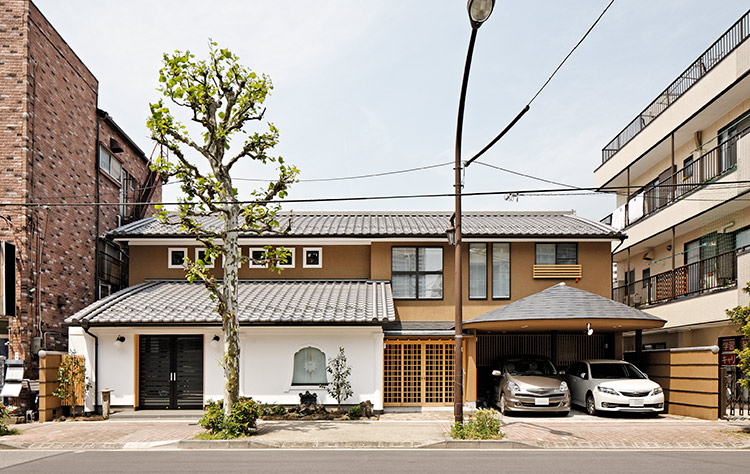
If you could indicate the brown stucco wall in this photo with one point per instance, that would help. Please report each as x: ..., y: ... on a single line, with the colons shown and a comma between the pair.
x: 339, y: 261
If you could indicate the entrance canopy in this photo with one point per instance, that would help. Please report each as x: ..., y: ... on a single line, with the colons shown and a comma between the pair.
x: 563, y: 308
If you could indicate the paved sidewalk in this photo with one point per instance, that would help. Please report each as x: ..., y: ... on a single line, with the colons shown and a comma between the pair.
x: 392, y: 430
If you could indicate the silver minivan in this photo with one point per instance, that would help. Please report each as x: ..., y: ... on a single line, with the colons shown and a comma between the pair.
x: 529, y: 384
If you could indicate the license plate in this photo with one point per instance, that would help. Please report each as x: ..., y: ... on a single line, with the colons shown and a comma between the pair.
x: 635, y: 402
x: 541, y: 401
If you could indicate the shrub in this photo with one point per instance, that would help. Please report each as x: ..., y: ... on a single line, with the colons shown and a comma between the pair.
x: 339, y: 387
x: 355, y: 412
x: 241, y: 422
x: 279, y: 410
x: 486, y: 425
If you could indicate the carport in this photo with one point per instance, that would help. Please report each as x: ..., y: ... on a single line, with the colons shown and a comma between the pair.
x: 563, y: 323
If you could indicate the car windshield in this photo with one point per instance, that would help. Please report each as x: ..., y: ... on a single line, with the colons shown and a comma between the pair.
x: 534, y: 366
x: 615, y: 371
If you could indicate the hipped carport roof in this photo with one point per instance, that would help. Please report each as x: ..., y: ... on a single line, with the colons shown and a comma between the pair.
x: 564, y: 308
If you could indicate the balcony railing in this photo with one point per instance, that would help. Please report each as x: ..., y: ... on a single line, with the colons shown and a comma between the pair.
x: 711, y: 165
x: 733, y: 37
x: 703, y: 276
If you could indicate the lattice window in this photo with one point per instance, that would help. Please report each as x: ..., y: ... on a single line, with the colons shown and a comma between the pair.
x: 418, y: 373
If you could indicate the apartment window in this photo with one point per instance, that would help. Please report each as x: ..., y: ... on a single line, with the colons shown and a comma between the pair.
x: 312, y: 257
x: 500, y: 271
x: 7, y: 279
x: 200, y: 254
x: 417, y: 272
x: 309, y: 367
x: 687, y: 168
x: 557, y: 254
x: 646, y: 275
x: 177, y: 258
x: 110, y: 165
x: 257, y: 258
x: 478, y: 271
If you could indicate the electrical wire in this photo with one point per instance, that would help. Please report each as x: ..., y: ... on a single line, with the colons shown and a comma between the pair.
x: 506, y: 170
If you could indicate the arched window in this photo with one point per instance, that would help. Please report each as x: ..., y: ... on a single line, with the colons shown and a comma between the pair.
x: 309, y: 367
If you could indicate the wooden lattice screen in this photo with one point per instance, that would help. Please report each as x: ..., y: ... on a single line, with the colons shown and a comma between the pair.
x: 418, y: 372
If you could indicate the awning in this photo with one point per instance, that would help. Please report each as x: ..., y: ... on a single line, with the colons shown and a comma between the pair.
x: 11, y: 389
x: 564, y: 308
x: 170, y: 302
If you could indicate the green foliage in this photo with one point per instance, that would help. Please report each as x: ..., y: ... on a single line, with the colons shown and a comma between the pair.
x: 339, y: 386
x: 741, y: 315
x: 4, y: 415
x: 240, y: 422
x: 355, y: 412
x: 71, y: 374
x: 486, y: 425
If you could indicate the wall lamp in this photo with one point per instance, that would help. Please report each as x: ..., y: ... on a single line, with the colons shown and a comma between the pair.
x: 589, y: 330
x: 119, y: 340
x: 215, y: 340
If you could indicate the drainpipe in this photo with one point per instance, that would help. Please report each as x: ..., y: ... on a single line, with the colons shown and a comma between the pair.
x: 85, y: 325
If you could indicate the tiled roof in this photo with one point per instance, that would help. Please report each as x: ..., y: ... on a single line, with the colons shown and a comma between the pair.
x: 562, y: 302
x: 260, y: 301
x: 403, y: 224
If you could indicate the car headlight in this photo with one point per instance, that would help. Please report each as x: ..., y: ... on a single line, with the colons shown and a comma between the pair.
x: 656, y: 391
x: 514, y: 387
x: 563, y: 387
x: 608, y: 390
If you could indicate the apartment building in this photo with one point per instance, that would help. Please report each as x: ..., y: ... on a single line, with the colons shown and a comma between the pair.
x: 59, y: 153
x: 680, y: 170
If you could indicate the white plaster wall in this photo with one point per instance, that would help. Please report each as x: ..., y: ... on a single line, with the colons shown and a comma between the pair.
x: 268, y: 361
x: 266, y: 365
x: 717, y: 79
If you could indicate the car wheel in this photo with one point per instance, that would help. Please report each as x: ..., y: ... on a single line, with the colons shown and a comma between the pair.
x: 501, y: 404
x: 590, y: 404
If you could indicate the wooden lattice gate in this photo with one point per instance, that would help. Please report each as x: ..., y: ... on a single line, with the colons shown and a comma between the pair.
x: 418, y: 372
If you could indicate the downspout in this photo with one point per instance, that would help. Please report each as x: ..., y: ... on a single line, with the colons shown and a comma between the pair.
x: 85, y: 325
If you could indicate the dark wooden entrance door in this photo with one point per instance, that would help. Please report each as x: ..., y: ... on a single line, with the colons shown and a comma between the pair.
x: 170, y: 372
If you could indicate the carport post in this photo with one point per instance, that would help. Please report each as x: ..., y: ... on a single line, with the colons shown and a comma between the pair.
x: 638, y: 346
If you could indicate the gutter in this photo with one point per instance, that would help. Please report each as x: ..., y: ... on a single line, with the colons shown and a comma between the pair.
x: 85, y: 325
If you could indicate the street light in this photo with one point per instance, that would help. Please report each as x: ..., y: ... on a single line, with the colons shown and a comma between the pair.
x: 479, y: 12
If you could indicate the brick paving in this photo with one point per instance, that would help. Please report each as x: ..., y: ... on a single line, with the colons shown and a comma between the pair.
x: 405, y: 430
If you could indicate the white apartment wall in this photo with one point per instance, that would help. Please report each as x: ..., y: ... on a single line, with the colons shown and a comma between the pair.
x: 266, y: 365
x: 719, y: 78
x: 696, y: 310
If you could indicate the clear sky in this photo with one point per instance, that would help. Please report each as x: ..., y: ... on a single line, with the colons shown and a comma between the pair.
x: 368, y: 87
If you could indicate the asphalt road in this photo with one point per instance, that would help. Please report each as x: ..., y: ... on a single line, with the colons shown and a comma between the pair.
x: 373, y: 461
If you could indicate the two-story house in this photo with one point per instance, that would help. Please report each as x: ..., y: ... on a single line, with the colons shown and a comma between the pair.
x: 378, y: 284
x: 681, y: 170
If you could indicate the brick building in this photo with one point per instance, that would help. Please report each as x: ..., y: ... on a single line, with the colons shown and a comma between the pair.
x: 57, y: 147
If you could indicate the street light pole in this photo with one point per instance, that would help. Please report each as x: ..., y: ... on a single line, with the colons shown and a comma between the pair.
x: 479, y: 11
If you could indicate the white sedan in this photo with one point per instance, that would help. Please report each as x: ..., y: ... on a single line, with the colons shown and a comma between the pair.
x: 613, y: 385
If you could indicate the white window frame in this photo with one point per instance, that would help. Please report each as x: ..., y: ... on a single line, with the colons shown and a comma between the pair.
x: 291, y: 265
x: 104, y: 285
x: 205, y: 264
x: 250, y: 257
x: 184, y: 250
x: 312, y: 249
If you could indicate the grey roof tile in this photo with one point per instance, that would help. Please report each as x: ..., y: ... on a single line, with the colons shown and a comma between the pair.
x: 563, y: 302
x: 402, y: 224
x: 260, y: 301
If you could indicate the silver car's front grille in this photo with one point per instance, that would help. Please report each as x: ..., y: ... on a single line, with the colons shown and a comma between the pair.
x: 542, y: 392
x: 636, y: 394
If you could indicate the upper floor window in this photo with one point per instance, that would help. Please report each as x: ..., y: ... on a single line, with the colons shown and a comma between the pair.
x: 478, y: 271
x: 500, y: 270
x: 177, y: 257
x: 309, y: 367
x: 201, y: 254
x: 258, y: 258
x: 110, y: 165
x: 312, y: 257
x: 417, y: 272
x: 557, y: 254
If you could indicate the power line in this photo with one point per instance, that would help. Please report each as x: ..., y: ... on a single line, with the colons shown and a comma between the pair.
x: 360, y: 176
x: 525, y: 175
x: 529, y: 192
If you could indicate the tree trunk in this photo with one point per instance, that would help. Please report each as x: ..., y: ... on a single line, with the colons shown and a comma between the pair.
x: 231, y: 324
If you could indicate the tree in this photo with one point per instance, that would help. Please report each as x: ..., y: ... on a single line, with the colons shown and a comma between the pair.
x: 221, y: 97
x: 741, y: 316
x: 339, y: 386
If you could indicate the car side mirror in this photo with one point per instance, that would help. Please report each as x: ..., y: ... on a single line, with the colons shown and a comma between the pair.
x: 583, y: 376
x: 497, y: 373
x: 645, y: 375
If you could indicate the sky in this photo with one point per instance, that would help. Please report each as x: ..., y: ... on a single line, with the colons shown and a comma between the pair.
x: 372, y: 87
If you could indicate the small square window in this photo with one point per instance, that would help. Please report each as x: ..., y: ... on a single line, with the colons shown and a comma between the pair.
x: 313, y: 258
x: 257, y: 258
x: 200, y: 254
x: 288, y: 262
x: 177, y: 258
